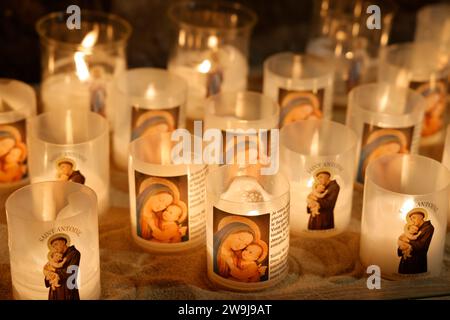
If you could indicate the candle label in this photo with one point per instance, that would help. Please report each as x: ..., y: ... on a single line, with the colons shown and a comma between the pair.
x: 377, y: 141
x: 62, y: 264
x: 300, y: 105
x: 146, y: 121
x: 435, y: 93
x: 66, y: 170
x: 250, y: 248
x: 13, y: 152
x: 170, y: 209
x: 321, y: 200
x: 414, y: 242
x: 243, y: 146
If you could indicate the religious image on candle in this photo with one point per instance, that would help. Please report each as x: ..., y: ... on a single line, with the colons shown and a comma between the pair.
x: 414, y: 242
x: 66, y: 170
x: 241, y: 246
x: 300, y: 105
x: 162, y: 208
x: 146, y: 121
x: 321, y: 201
x: 61, y: 269
x: 377, y: 141
x: 435, y: 94
x: 13, y: 152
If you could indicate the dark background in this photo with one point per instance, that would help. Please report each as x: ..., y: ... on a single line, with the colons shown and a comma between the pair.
x: 282, y: 25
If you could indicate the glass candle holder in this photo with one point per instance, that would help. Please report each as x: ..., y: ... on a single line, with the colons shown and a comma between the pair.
x: 320, y: 174
x: 247, y: 228
x: 433, y: 24
x: 79, y: 66
x: 424, y: 68
x: 446, y: 158
x: 71, y: 146
x: 167, y: 197
x: 148, y: 100
x: 302, y: 85
x: 17, y: 103
x: 53, y: 242
x: 404, y: 217
x: 210, y: 49
x: 387, y: 119
x: 244, y: 120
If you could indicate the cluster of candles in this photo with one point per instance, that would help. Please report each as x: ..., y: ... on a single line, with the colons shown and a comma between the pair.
x: 245, y: 215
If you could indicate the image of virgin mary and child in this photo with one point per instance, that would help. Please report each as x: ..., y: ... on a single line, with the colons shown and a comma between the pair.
x: 414, y: 242
x: 239, y: 252
x: 151, y: 121
x: 379, y: 143
x: 161, y: 213
x: 321, y: 201
x: 13, y: 154
x: 296, y: 105
x: 63, y: 263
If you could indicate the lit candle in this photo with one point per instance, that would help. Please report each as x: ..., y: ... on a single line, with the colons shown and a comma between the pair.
x: 387, y: 119
x: 210, y: 54
x: 76, y: 149
x: 53, y: 242
x: 17, y: 103
x: 403, y: 225
x: 247, y: 228
x: 80, y: 65
x: 167, y: 199
x: 320, y: 174
x: 302, y: 85
x: 148, y: 101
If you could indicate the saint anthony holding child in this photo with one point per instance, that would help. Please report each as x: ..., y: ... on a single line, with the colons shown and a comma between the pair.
x: 66, y: 171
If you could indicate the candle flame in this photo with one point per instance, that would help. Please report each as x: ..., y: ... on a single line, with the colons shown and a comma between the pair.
x: 310, y: 182
x: 150, y: 92
x: 87, y: 43
x: 407, y: 207
x: 213, y: 41
x: 69, y: 127
x: 315, y: 144
x: 205, y: 66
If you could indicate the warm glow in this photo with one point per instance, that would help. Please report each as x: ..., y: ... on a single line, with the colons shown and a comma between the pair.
x: 150, y: 92
x: 69, y: 127
x: 315, y: 144
x: 81, y: 66
x: 205, y: 66
x: 90, y: 39
x: 407, y: 207
x: 310, y: 182
x: 213, y: 42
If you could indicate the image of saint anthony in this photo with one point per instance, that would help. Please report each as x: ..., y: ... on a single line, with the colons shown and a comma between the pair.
x: 151, y: 121
x: 59, y: 270
x: 161, y: 214
x: 13, y: 154
x: 379, y: 143
x: 413, y: 244
x: 321, y: 202
x: 239, y: 252
x: 66, y: 171
x: 297, y: 106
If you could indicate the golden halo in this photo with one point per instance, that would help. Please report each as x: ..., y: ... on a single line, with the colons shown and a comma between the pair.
x: 13, y: 130
x: 71, y: 161
x: 55, y: 236
x: 227, y: 220
x: 264, y: 247
x: 156, y: 180
x: 382, y: 132
x: 323, y: 170
x: 312, y: 98
x: 152, y: 113
x: 412, y: 211
x: 184, y: 210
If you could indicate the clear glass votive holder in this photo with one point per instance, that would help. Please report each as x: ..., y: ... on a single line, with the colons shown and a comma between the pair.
x: 247, y: 228
x: 69, y: 145
x: 53, y: 242
x: 17, y: 103
x: 301, y: 84
x: 387, y: 119
x: 404, y: 219
x: 79, y: 65
x: 318, y: 156
x: 244, y: 120
x: 425, y: 68
x: 148, y: 100
x: 167, y: 195
x: 210, y: 49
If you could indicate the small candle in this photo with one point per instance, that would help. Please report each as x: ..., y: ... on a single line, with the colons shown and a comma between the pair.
x: 73, y: 146
x: 321, y: 175
x: 53, y: 242
x: 387, y: 119
x: 210, y: 54
x: 302, y: 85
x: 17, y: 103
x: 80, y: 65
x: 403, y: 225
x: 167, y: 199
x: 148, y: 101
x: 247, y: 228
